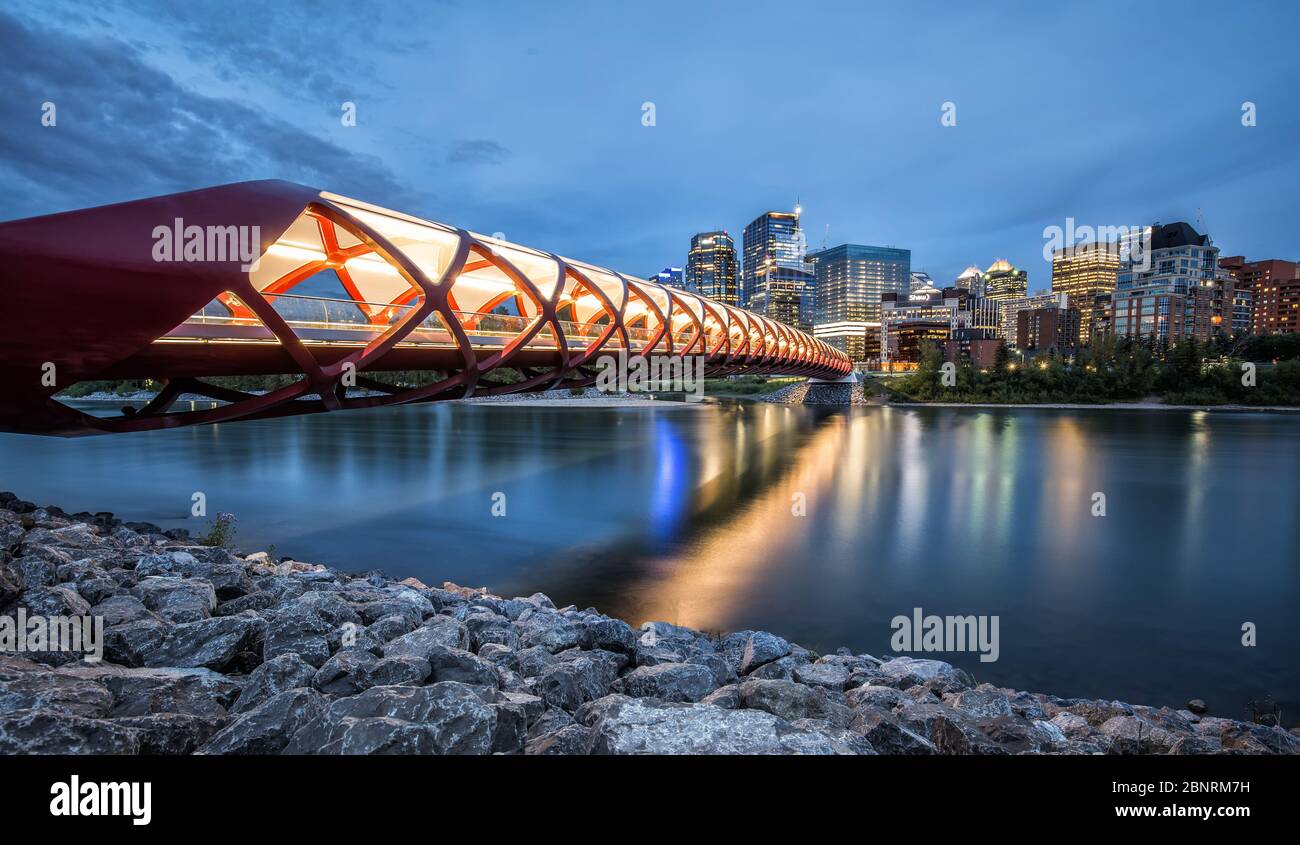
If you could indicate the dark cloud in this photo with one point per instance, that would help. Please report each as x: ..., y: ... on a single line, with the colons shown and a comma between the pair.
x: 477, y: 151
x: 126, y: 129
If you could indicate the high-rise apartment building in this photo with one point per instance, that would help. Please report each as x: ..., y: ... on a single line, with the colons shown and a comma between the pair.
x: 711, y: 267
x: 1085, y: 271
x: 1047, y: 328
x: 1273, y: 286
x: 850, y: 280
x: 1154, y: 292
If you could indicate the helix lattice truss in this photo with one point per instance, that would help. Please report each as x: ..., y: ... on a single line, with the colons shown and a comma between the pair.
x: 339, y: 292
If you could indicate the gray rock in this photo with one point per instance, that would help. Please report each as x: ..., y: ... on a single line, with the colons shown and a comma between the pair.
x: 500, y: 655
x: 749, y: 650
x: 391, y: 627
x: 848, y: 740
x: 827, y: 673
x: 343, y: 673
x: 532, y: 661
x: 59, y: 600
x: 454, y: 664
x: 792, y: 701
x: 905, y: 672
x: 641, y: 726
x: 886, y: 735
x: 570, y: 739
x: 949, y: 730
x: 57, y: 732
x: 727, y: 697
x: 52, y: 691
x: 394, y: 671
x: 870, y: 695
x: 443, y: 718
x: 437, y: 632
x: 781, y: 669
x: 177, y: 599
x: 268, y: 727
x: 1132, y: 735
x: 277, y: 675
x: 550, y: 630
x: 611, y: 635
x: 228, y: 643
x: 984, y: 701
x: 129, y: 643
x: 122, y: 608
x: 299, y: 629
x: 668, y: 681
x: 172, y: 733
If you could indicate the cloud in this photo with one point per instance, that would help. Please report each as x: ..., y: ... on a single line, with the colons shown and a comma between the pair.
x: 477, y: 151
x: 126, y: 129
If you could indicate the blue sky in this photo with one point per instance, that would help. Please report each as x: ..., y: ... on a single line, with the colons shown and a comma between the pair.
x: 526, y: 118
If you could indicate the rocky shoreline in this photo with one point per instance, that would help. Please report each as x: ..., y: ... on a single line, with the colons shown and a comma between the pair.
x: 209, y: 652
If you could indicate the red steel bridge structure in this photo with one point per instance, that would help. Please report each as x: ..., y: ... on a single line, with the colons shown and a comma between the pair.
x: 89, y: 298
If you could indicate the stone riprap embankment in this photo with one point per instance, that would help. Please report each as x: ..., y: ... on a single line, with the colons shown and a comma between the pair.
x: 208, y: 652
x: 813, y: 393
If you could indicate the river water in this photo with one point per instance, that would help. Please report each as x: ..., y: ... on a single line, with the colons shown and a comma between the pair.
x: 821, y: 526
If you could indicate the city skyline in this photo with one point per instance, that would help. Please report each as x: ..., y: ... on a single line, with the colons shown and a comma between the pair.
x: 886, y: 173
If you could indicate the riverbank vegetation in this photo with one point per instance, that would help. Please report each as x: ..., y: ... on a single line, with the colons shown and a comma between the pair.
x: 1250, y: 371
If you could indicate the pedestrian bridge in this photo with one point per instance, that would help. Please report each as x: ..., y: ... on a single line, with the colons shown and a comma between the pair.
x: 336, y: 292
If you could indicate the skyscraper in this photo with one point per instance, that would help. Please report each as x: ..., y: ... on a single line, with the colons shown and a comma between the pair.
x: 1085, y: 271
x: 711, y: 267
x: 783, y: 294
x: 673, y: 277
x: 921, y: 279
x: 1003, y: 281
x: 773, y: 240
x: 850, y: 280
x: 971, y: 279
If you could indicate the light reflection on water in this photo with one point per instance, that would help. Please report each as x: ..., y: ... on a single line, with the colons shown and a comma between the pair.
x: 685, y: 513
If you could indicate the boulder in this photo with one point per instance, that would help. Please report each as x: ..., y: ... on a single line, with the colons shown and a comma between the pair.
x: 437, y: 632
x: 58, y: 732
x: 343, y: 673
x: 886, y: 735
x: 277, y: 675
x: 570, y: 739
x: 177, y: 599
x: 668, y: 682
x: 792, y: 701
x: 646, y: 726
x: 442, y: 718
x: 268, y: 727
x: 227, y: 643
x: 394, y: 671
x: 905, y: 672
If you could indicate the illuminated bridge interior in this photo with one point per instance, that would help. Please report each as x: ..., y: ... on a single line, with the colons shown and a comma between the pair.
x: 343, y: 290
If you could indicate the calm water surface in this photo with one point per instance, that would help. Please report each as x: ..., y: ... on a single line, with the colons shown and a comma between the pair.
x: 684, y: 513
